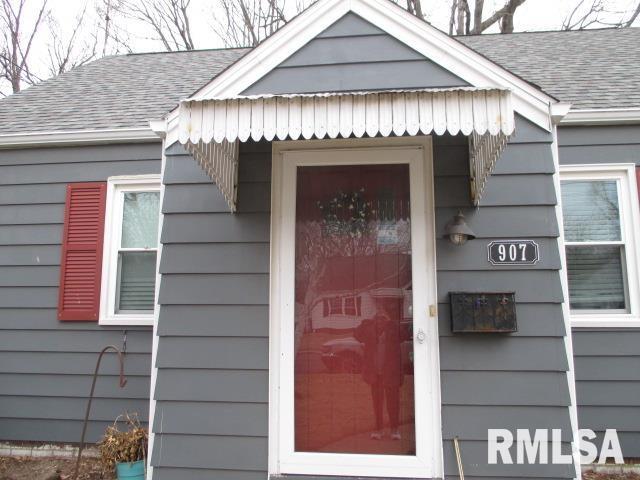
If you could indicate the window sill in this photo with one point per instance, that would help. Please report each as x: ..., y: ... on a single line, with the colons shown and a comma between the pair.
x: 605, y: 321
x: 128, y: 320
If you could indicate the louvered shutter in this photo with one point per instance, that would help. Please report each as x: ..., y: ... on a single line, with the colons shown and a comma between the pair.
x: 81, y: 260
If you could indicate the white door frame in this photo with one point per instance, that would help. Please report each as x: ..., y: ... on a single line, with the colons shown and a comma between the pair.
x: 417, y: 153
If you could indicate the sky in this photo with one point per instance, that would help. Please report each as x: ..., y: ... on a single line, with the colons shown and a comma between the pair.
x: 532, y: 16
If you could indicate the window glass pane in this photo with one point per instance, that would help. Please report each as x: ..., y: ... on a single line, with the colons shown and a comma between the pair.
x: 595, y: 277
x: 353, y: 311
x: 590, y: 210
x: 136, y: 281
x: 140, y: 220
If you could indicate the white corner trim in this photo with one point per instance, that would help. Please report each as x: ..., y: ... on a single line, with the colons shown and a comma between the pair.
x: 451, y: 54
x: 568, y: 339
x: 34, y: 139
x: 602, y: 116
x: 156, y: 314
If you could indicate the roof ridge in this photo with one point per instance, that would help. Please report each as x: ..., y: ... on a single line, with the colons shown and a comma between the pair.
x: 195, y: 50
x: 586, y: 30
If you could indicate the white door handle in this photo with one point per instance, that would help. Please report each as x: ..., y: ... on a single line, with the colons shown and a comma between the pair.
x: 421, y: 336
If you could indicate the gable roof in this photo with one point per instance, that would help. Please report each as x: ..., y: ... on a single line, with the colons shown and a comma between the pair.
x: 587, y: 68
x: 427, y: 40
x: 114, y: 92
x: 590, y: 69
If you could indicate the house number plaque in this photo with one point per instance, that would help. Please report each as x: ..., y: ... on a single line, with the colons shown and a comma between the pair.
x: 513, y: 252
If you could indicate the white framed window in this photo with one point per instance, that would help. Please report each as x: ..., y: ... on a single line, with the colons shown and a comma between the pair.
x: 344, y: 340
x: 130, y: 252
x: 601, y: 231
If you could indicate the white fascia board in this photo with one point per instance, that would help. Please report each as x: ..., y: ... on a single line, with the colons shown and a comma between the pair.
x: 602, y: 116
x: 71, y: 137
x: 456, y: 57
x: 397, y: 22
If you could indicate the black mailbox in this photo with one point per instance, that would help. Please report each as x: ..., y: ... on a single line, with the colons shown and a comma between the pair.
x: 483, y: 312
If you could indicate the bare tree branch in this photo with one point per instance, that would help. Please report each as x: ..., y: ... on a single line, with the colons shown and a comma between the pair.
x: 634, y: 15
x: 65, y: 54
x: 415, y: 7
x: 461, y: 17
x: 499, y: 15
x: 16, y: 47
x: 167, y: 19
x: 597, y: 13
x: 247, y: 22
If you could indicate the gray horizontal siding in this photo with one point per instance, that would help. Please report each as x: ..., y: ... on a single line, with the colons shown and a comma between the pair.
x: 222, y: 418
x: 213, y: 326
x: 599, y: 144
x: 201, y: 451
x: 474, y: 454
x: 70, y: 172
x: 361, y: 61
x: 607, y: 367
x: 168, y: 473
x: 214, y: 320
x: 63, y: 431
x: 65, y: 385
x: 46, y: 365
x: 71, y: 363
x: 212, y: 383
x: 607, y: 361
x: 534, y: 320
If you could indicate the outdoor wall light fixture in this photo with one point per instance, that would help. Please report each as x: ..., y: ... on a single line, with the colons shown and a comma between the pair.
x: 457, y: 231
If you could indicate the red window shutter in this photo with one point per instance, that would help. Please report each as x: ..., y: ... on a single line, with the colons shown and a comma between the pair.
x: 81, y: 261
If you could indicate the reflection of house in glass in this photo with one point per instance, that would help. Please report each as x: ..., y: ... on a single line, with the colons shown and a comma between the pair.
x: 346, y: 296
x: 357, y: 343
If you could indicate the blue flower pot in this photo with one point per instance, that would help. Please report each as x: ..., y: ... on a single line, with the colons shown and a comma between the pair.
x: 130, y: 471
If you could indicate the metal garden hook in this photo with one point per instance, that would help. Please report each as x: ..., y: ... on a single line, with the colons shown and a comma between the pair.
x: 123, y: 382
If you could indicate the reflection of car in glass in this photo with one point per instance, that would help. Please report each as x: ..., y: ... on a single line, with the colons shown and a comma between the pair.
x: 344, y: 355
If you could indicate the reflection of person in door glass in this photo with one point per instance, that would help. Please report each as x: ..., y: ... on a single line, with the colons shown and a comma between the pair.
x: 382, y: 366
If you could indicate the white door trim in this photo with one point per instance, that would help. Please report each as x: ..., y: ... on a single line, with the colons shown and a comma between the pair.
x: 417, y: 152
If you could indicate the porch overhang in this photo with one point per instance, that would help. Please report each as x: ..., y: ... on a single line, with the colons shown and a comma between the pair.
x: 211, y: 129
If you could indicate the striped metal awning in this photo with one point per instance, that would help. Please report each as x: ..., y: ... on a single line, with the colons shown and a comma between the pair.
x: 211, y: 129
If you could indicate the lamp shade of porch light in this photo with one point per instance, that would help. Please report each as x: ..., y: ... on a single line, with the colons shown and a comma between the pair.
x: 457, y: 231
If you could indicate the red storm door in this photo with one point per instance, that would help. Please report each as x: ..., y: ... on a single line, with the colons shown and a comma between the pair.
x: 354, y: 385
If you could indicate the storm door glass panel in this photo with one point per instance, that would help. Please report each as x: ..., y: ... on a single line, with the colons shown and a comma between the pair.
x: 354, y: 385
x: 594, y: 245
x: 135, y: 288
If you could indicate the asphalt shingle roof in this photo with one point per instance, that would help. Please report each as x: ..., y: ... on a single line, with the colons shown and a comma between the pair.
x: 587, y: 68
x: 590, y: 69
x: 113, y: 92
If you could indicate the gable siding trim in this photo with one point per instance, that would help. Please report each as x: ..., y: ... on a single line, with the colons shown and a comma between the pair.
x: 434, y: 45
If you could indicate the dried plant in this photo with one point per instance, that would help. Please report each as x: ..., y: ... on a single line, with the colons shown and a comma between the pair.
x: 126, y: 445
